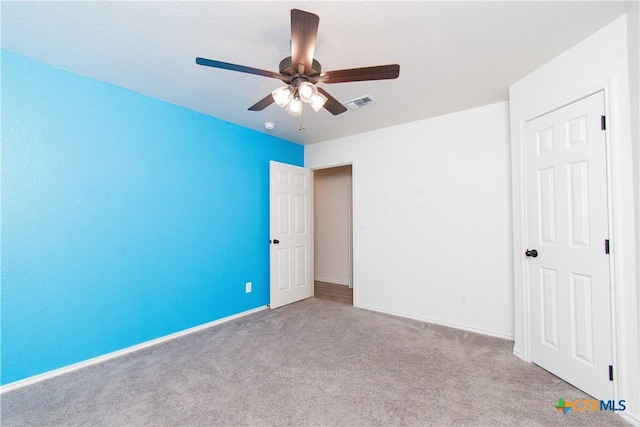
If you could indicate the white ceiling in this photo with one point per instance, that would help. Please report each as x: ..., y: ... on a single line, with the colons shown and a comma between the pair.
x: 453, y: 55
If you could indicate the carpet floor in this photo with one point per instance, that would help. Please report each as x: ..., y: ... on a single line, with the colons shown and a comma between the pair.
x: 312, y: 363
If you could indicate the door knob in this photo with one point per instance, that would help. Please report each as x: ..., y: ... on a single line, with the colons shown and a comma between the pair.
x: 532, y: 253
x: 276, y: 241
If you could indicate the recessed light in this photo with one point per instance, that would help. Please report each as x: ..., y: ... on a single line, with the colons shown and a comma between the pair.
x: 269, y: 125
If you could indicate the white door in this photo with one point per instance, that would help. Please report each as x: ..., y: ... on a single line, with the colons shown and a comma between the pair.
x: 291, y: 219
x: 566, y: 190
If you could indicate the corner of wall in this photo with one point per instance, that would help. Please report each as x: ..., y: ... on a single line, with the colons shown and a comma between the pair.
x: 598, y: 62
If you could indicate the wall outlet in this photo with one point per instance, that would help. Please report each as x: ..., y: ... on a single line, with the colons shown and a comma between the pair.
x: 464, y: 297
x: 247, y: 287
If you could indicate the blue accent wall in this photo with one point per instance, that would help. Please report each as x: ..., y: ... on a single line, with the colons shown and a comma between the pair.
x: 124, y: 218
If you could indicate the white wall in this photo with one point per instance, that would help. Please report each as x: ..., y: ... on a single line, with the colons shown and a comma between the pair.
x: 598, y: 62
x: 332, y: 225
x: 432, y: 218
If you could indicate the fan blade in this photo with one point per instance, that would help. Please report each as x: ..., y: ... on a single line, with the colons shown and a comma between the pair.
x: 304, y: 31
x: 240, y: 68
x: 332, y: 105
x: 380, y: 72
x: 262, y: 104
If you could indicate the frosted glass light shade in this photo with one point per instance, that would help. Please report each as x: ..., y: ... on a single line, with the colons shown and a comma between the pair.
x: 295, y: 107
x: 317, y: 101
x: 282, y: 95
x: 307, y: 91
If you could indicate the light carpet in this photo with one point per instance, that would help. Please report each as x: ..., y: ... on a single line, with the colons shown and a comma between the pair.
x: 312, y: 363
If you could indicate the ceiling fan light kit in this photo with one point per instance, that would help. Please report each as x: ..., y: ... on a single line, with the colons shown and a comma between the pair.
x: 307, y: 90
x: 318, y: 101
x: 301, y: 72
x: 283, y: 95
x: 294, y: 107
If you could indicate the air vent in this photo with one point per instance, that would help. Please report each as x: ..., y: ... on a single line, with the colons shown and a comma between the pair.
x: 363, y: 101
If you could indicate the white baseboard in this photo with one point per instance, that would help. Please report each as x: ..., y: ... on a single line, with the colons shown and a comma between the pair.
x: 99, y: 359
x: 519, y: 354
x: 438, y: 322
x: 633, y: 419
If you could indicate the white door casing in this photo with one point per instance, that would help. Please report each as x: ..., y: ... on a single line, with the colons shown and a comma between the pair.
x: 351, y: 229
x: 290, y: 224
x: 567, y: 224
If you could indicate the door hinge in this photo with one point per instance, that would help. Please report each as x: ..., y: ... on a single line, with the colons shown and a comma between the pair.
x: 606, y: 246
x: 603, y: 122
x: 610, y: 372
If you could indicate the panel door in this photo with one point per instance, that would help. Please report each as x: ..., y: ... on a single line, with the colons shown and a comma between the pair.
x: 566, y: 184
x: 291, y: 219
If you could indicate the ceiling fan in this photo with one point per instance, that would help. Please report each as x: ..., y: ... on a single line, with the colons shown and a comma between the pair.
x: 301, y: 72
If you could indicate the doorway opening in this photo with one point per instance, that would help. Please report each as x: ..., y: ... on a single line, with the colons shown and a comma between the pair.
x: 333, y: 234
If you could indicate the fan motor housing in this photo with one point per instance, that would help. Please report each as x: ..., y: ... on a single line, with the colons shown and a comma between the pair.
x: 287, y: 68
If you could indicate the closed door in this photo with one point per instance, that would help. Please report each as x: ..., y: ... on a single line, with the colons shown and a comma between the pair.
x: 567, y: 253
x: 291, y: 219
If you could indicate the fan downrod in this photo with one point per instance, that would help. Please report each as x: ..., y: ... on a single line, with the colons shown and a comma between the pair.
x: 287, y: 68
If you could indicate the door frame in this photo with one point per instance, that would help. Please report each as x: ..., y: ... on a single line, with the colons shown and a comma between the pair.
x: 597, y: 100
x: 354, y: 230
x: 616, y: 224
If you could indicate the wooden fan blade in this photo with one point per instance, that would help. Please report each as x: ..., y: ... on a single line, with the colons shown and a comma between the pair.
x: 332, y: 105
x: 262, y: 104
x: 304, y: 31
x: 240, y: 68
x: 380, y: 72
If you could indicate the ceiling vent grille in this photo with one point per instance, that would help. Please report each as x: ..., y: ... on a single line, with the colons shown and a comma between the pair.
x: 363, y: 101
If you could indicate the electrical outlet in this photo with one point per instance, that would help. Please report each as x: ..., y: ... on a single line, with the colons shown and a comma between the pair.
x: 464, y: 297
x: 247, y: 287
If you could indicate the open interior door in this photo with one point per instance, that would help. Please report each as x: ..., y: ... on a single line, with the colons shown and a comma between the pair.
x: 291, y: 228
